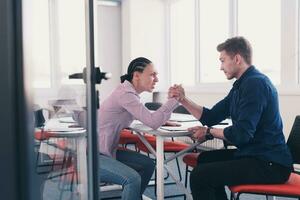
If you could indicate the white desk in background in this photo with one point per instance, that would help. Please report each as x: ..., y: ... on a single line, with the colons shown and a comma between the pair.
x: 60, y: 128
x: 161, y: 134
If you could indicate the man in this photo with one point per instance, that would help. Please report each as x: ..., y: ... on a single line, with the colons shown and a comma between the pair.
x: 262, y: 155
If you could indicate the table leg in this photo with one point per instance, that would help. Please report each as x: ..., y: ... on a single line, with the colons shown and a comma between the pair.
x: 82, y: 167
x: 160, y: 167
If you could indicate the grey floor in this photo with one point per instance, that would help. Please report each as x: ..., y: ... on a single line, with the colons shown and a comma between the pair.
x: 50, y: 190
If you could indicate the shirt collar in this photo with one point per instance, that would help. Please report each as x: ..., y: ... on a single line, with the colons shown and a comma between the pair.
x: 129, y: 87
x: 238, y: 82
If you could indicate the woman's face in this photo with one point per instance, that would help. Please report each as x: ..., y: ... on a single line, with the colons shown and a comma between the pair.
x: 146, y: 80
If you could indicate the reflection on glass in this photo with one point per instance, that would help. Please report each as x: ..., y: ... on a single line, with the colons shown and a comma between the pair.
x: 214, y: 29
x: 71, y: 32
x: 37, y: 42
x: 264, y: 34
x: 54, y: 47
x: 183, y: 42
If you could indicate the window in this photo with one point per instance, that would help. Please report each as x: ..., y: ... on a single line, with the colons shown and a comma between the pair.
x: 37, y: 39
x: 298, y: 48
x: 212, y: 30
x: 197, y: 27
x: 182, y: 42
x: 56, y: 38
x: 264, y: 35
x: 71, y: 39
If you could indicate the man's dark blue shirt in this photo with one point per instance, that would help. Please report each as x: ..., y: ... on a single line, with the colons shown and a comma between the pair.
x: 256, y: 129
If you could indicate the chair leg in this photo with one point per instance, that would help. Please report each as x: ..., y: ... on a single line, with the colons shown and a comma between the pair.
x: 165, y: 178
x: 179, y: 171
x: 37, y: 161
x: 234, y: 196
x: 268, y: 197
x: 155, y: 183
x: 186, y: 178
x: 186, y: 175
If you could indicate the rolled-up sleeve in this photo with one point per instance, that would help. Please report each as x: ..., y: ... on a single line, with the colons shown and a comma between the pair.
x: 154, y: 120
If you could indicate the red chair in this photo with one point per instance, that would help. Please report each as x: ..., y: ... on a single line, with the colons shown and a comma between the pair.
x: 190, y: 160
x: 127, y: 137
x: 289, y: 189
x: 52, y: 161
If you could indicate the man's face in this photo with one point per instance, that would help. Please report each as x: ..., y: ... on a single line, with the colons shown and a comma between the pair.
x: 229, y: 65
x: 147, y: 79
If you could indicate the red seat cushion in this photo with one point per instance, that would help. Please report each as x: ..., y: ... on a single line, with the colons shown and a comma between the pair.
x: 290, y: 188
x: 191, y: 159
x: 127, y: 137
x: 42, y: 135
x: 169, y: 146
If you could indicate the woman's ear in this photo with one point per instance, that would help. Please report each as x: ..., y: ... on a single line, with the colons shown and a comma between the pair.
x: 136, y: 75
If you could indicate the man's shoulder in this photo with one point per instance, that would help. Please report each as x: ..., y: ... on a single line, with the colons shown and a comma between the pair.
x: 258, y: 82
x: 257, y: 79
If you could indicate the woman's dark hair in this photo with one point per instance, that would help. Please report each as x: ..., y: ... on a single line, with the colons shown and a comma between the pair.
x: 136, y: 65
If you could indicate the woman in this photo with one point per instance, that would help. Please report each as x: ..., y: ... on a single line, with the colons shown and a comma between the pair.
x: 128, y: 168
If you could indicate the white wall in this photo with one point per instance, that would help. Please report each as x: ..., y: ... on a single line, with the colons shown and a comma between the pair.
x: 108, y: 45
x: 143, y: 34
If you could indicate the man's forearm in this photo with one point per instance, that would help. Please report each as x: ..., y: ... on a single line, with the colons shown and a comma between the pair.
x: 192, y: 107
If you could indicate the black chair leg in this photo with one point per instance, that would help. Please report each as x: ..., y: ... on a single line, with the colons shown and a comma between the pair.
x: 186, y: 178
x: 179, y: 171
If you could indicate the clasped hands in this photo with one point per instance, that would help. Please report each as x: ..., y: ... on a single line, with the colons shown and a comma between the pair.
x: 176, y: 91
x: 199, y: 132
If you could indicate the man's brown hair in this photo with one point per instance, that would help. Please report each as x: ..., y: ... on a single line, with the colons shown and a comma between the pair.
x: 237, y: 45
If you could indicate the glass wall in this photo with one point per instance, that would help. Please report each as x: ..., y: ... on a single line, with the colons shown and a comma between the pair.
x: 54, y: 42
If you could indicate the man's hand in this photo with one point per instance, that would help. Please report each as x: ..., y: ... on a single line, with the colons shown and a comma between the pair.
x: 198, y: 133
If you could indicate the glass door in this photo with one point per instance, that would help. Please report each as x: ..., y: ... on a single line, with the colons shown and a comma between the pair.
x: 58, y: 56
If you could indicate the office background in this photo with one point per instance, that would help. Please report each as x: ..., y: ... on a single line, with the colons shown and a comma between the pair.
x: 179, y: 36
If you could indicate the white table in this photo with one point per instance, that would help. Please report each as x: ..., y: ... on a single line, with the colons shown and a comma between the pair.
x: 59, y: 129
x: 161, y: 134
